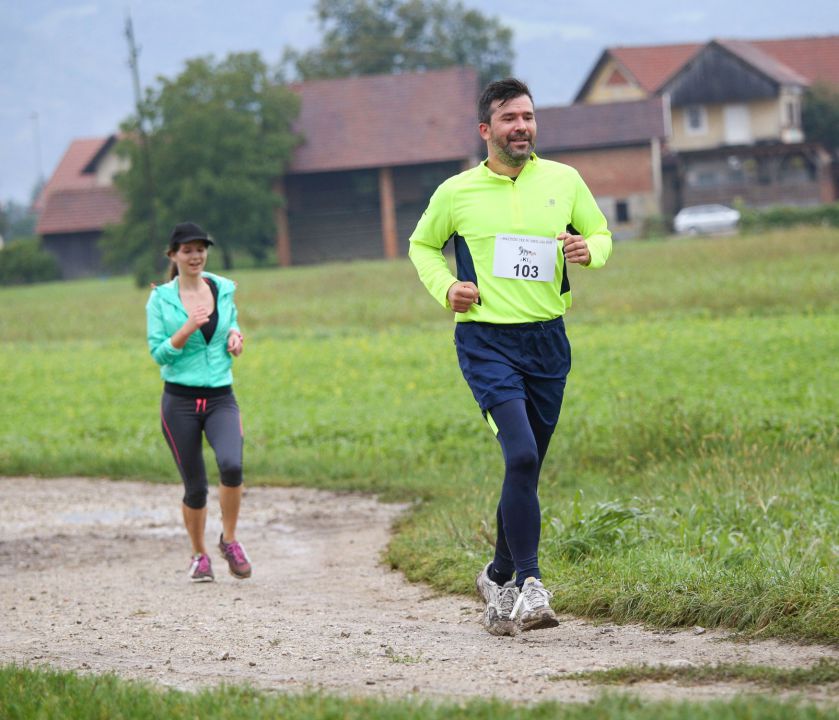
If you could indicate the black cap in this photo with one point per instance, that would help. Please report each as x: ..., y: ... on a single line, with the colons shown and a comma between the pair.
x: 185, y: 232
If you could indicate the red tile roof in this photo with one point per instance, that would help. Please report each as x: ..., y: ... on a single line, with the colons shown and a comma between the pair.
x: 816, y: 58
x: 600, y: 125
x: 810, y: 58
x: 386, y: 120
x: 69, y: 174
x: 85, y: 209
x: 653, y: 66
x: 765, y: 63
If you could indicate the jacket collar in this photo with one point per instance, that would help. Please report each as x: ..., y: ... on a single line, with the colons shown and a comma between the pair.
x: 534, y: 158
x: 170, y: 291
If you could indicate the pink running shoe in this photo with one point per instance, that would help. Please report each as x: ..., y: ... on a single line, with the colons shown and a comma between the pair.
x: 201, y: 569
x: 237, y: 558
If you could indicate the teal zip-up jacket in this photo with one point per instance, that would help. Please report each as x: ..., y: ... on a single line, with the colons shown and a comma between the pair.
x: 198, y: 363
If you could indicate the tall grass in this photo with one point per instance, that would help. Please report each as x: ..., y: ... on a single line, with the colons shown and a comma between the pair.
x: 692, y: 479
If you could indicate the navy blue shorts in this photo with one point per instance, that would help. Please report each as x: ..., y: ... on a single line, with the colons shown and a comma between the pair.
x: 528, y: 361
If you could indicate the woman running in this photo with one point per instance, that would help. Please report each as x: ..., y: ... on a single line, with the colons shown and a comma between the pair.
x: 193, y: 335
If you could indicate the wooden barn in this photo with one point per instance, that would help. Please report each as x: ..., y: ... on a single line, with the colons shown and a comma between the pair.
x: 375, y: 148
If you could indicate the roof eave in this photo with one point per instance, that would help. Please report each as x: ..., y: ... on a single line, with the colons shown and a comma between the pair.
x: 589, y: 81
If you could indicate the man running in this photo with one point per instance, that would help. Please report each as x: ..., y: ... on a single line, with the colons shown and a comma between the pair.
x: 509, y: 219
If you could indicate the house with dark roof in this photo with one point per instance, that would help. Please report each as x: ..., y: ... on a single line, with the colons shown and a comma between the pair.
x: 734, y: 110
x: 78, y: 202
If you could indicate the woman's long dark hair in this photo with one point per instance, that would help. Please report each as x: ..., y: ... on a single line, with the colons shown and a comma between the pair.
x: 172, y: 272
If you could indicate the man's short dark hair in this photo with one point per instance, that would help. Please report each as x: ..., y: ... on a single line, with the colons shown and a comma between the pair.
x: 502, y: 90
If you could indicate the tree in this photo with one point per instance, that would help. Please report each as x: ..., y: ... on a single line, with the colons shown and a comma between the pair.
x: 18, y: 220
x: 362, y: 37
x: 219, y: 136
x: 820, y: 116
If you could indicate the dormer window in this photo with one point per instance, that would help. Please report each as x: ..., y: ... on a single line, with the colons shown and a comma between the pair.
x: 696, y: 120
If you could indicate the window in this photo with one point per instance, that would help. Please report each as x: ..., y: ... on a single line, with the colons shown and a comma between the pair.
x: 737, y: 124
x: 703, y: 177
x: 796, y: 169
x: 792, y: 114
x: 736, y: 174
x: 764, y: 171
x: 696, y: 120
x: 622, y: 211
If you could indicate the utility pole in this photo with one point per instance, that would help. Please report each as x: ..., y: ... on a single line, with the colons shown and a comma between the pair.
x: 133, y: 52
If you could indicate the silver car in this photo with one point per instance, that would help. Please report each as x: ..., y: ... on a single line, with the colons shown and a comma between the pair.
x: 705, y: 219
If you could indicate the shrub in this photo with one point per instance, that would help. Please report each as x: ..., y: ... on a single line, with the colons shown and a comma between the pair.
x: 655, y: 227
x: 782, y: 216
x: 25, y: 261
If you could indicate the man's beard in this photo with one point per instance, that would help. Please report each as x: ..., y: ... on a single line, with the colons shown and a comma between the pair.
x: 506, y: 155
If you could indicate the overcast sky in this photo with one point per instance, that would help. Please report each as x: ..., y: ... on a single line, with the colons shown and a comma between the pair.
x: 65, y: 73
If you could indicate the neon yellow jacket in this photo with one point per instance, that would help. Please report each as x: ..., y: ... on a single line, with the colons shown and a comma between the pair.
x: 474, y: 206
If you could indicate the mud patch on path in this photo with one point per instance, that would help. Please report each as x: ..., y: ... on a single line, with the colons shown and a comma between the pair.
x: 95, y: 581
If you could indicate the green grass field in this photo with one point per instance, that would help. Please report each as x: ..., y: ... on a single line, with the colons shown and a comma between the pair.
x: 692, y: 480
x: 26, y: 694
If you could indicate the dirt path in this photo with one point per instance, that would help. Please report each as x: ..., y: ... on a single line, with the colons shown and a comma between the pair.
x: 94, y: 580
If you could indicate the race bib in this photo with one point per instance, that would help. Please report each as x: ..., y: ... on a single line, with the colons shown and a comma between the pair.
x: 525, y: 257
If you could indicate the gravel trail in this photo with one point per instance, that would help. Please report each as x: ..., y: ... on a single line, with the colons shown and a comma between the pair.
x: 94, y: 580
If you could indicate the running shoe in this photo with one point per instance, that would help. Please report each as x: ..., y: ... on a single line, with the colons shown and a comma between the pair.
x: 499, y: 604
x: 532, y: 610
x: 237, y: 558
x: 201, y: 569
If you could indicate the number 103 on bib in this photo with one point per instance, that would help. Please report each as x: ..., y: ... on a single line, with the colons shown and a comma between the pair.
x: 525, y: 257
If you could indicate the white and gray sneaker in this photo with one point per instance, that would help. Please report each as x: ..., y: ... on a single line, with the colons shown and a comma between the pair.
x: 532, y: 610
x: 499, y: 604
